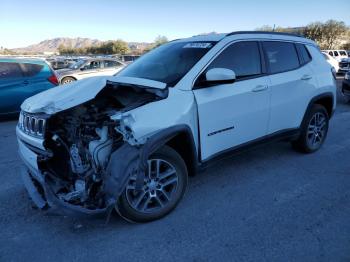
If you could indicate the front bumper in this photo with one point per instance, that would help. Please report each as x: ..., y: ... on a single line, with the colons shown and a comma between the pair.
x: 40, y: 191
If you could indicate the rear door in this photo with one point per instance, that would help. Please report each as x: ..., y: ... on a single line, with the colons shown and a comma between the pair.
x: 91, y: 68
x: 111, y: 67
x: 233, y: 114
x: 35, y: 78
x: 292, y: 83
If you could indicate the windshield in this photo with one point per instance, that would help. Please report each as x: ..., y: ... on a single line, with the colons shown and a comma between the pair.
x: 77, y: 64
x: 169, y: 62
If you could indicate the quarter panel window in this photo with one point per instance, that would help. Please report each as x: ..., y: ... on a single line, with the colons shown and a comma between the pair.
x: 304, y: 53
x: 281, y: 56
x: 30, y: 70
x: 111, y: 63
x: 10, y: 70
x: 242, y: 57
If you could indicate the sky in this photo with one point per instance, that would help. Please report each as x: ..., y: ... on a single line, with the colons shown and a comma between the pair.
x: 25, y: 22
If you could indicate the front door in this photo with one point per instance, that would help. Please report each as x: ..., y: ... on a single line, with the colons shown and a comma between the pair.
x: 234, y: 114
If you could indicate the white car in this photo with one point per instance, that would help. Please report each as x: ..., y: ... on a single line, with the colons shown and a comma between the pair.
x: 130, y: 141
x: 332, y: 61
x: 89, y: 67
x: 337, y: 54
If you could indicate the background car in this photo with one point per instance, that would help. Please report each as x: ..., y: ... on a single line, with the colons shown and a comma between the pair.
x: 334, y: 63
x: 20, y: 79
x: 346, y: 86
x: 337, y: 54
x: 344, y: 65
x: 88, y: 68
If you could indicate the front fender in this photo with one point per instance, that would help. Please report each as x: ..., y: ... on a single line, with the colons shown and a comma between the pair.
x: 132, y: 160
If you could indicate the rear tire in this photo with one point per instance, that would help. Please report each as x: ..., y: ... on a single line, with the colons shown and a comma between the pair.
x: 67, y: 80
x: 164, y: 186
x: 314, y: 130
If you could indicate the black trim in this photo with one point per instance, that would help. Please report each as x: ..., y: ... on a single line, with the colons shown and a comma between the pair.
x: 263, y: 33
x: 314, y: 99
x: 277, y: 136
x: 221, y: 130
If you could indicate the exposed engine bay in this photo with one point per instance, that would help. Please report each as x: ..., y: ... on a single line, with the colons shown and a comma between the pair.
x: 81, y: 140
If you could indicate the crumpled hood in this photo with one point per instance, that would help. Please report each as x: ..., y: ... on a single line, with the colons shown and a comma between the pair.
x: 67, y: 96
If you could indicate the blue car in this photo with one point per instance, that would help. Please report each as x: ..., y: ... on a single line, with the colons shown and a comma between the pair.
x: 20, y: 79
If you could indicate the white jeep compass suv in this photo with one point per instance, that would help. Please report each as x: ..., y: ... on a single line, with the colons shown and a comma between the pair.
x: 130, y: 141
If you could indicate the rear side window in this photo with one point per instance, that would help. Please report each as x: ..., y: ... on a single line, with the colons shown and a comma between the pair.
x: 242, y: 57
x: 303, y: 54
x: 281, y: 56
x: 30, y: 70
x: 10, y: 70
x: 111, y: 63
x: 330, y: 53
x: 336, y: 53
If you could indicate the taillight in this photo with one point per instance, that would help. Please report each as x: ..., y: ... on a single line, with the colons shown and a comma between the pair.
x: 53, y: 79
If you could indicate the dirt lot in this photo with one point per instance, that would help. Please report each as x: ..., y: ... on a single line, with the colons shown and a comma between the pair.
x: 269, y: 204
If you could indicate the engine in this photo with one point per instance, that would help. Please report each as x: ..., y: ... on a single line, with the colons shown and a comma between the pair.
x: 81, y: 141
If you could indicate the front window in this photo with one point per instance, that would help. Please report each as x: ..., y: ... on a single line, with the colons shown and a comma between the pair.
x: 242, y: 57
x: 169, y: 62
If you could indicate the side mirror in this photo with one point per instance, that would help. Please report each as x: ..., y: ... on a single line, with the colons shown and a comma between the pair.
x: 220, y: 76
x: 82, y: 68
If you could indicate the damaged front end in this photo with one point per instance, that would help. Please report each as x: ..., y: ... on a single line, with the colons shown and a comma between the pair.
x: 78, y: 160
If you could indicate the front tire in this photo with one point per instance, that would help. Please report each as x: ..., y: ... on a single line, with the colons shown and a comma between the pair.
x: 314, y: 130
x: 164, y: 186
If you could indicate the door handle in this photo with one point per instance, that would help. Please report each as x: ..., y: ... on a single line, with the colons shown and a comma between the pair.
x: 259, y: 88
x: 306, y: 77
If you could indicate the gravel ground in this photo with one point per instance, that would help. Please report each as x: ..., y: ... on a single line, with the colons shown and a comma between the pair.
x: 268, y: 204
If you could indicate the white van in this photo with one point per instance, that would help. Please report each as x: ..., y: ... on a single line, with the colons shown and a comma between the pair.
x: 337, y: 54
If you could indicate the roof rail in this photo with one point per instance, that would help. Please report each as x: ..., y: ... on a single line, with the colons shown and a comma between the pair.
x: 263, y: 32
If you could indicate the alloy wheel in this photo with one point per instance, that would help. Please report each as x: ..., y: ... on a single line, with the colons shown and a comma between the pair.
x: 316, y: 130
x: 160, y: 184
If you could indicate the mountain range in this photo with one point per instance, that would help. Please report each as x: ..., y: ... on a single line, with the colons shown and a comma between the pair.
x: 51, y: 45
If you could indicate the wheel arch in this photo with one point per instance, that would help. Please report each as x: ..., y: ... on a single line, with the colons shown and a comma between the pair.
x: 325, y: 99
x: 183, y: 143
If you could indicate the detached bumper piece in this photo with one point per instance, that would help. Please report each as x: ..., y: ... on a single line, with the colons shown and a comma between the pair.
x: 43, y: 197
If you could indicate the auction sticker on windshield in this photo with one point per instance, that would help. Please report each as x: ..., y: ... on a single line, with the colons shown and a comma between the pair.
x: 198, y: 45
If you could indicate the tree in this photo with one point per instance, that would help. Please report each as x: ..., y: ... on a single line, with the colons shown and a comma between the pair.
x: 333, y: 30
x: 327, y: 34
x: 314, y: 31
x: 120, y: 47
x: 346, y: 46
x: 160, y: 40
x: 266, y: 28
